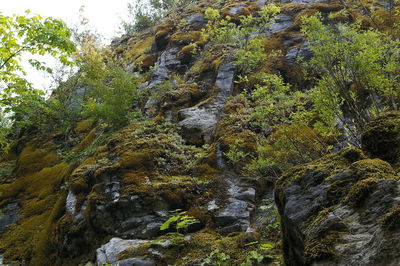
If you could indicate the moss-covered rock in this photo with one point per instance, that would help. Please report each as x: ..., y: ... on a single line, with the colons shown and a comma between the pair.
x: 381, y: 137
x: 326, y: 205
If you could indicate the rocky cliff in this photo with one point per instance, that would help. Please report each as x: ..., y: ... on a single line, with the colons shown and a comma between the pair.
x: 108, y: 206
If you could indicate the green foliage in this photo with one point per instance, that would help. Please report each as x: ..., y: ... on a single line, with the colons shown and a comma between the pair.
x: 357, y: 70
x: 235, y: 154
x: 112, y: 96
x: 253, y: 256
x: 26, y: 36
x: 284, y: 112
x: 246, y: 37
x: 216, y: 257
x: 145, y: 14
x: 181, y: 221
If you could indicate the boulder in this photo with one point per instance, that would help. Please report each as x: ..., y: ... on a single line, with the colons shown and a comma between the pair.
x: 340, y: 210
x: 381, y: 137
x: 108, y: 253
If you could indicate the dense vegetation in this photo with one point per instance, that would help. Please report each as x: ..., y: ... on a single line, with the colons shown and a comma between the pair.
x: 354, y: 71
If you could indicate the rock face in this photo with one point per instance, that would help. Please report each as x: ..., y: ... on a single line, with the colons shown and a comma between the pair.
x: 344, y: 208
x: 108, y: 253
x: 107, y: 206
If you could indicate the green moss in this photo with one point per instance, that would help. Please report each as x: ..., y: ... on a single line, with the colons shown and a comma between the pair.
x: 137, y: 160
x: 381, y: 137
x: 87, y: 140
x: 320, y: 248
x: 360, y: 191
x: 146, y: 61
x: 33, y: 159
x: 84, y: 125
x: 41, y: 202
x: 138, y: 47
x: 391, y: 220
x: 185, y: 38
x: 372, y: 168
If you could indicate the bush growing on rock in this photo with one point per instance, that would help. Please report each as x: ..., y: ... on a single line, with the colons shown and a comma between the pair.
x: 246, y: 37
x: 357, y: 73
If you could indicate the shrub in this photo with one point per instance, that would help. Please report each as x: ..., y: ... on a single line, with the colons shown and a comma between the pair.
x: 246, y: 37
x: 357, y: 73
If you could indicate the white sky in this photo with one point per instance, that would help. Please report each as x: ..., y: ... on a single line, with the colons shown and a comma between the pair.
x: 103, y: 15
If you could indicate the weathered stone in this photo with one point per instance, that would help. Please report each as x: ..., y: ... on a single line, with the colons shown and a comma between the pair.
x: 136, y: 262
x: 301, y: 51
x: 281, y: 23
x: 8, y: 215
x: 224, y: 81
x: 197, y: 124
x: 235, y: 10
x: 109, y: 251
x: 196, y: 21
x: 322, y: 225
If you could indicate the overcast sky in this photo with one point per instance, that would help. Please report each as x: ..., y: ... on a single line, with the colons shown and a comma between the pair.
x: 103, y: 15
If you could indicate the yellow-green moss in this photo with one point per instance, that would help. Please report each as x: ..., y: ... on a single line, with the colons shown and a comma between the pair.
x: 373, y: 168
x: 391, y: 220
x: 137, y: 160
x: 321, y: 248
x: 41, y: 202
x: 139, y: 47
x: 185, y: 37
x: 33, y: 159
x: 84, y: 125
x: 87, y: 140
x: 146, y: 61
x: 360, y: 191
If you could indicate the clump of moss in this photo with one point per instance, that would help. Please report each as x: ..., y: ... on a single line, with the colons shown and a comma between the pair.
x: 372, y: 168
x: 318, y: 249
x: 391, y: 220
x: 42, y: 201
x: 185, y: 38
x: 84, y: 125
x: 381, y: 137
x: 33, y: 159
x: 360, y: 191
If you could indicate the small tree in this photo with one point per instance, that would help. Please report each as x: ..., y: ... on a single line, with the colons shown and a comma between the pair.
x: 23, y: 36
x: 357, y: 70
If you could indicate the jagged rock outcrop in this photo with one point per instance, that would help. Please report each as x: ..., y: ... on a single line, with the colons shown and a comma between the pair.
x: 344, y: 208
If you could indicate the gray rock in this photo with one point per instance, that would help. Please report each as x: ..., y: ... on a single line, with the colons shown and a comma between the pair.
x: 167, y: 62
x: 196, y: 21
x: 8, y: 215
x: 261, y: 3
x: 281, y: 23
x: 197, y: 124
x: 321, y: 212
x: 237, y: 9
x: 212, y: 206
x: 224, y: 81
x: 136, y: 262
x: 301, y: 51
x: 70, y: 203
x: 109, y: 251
x: 236, y: 214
